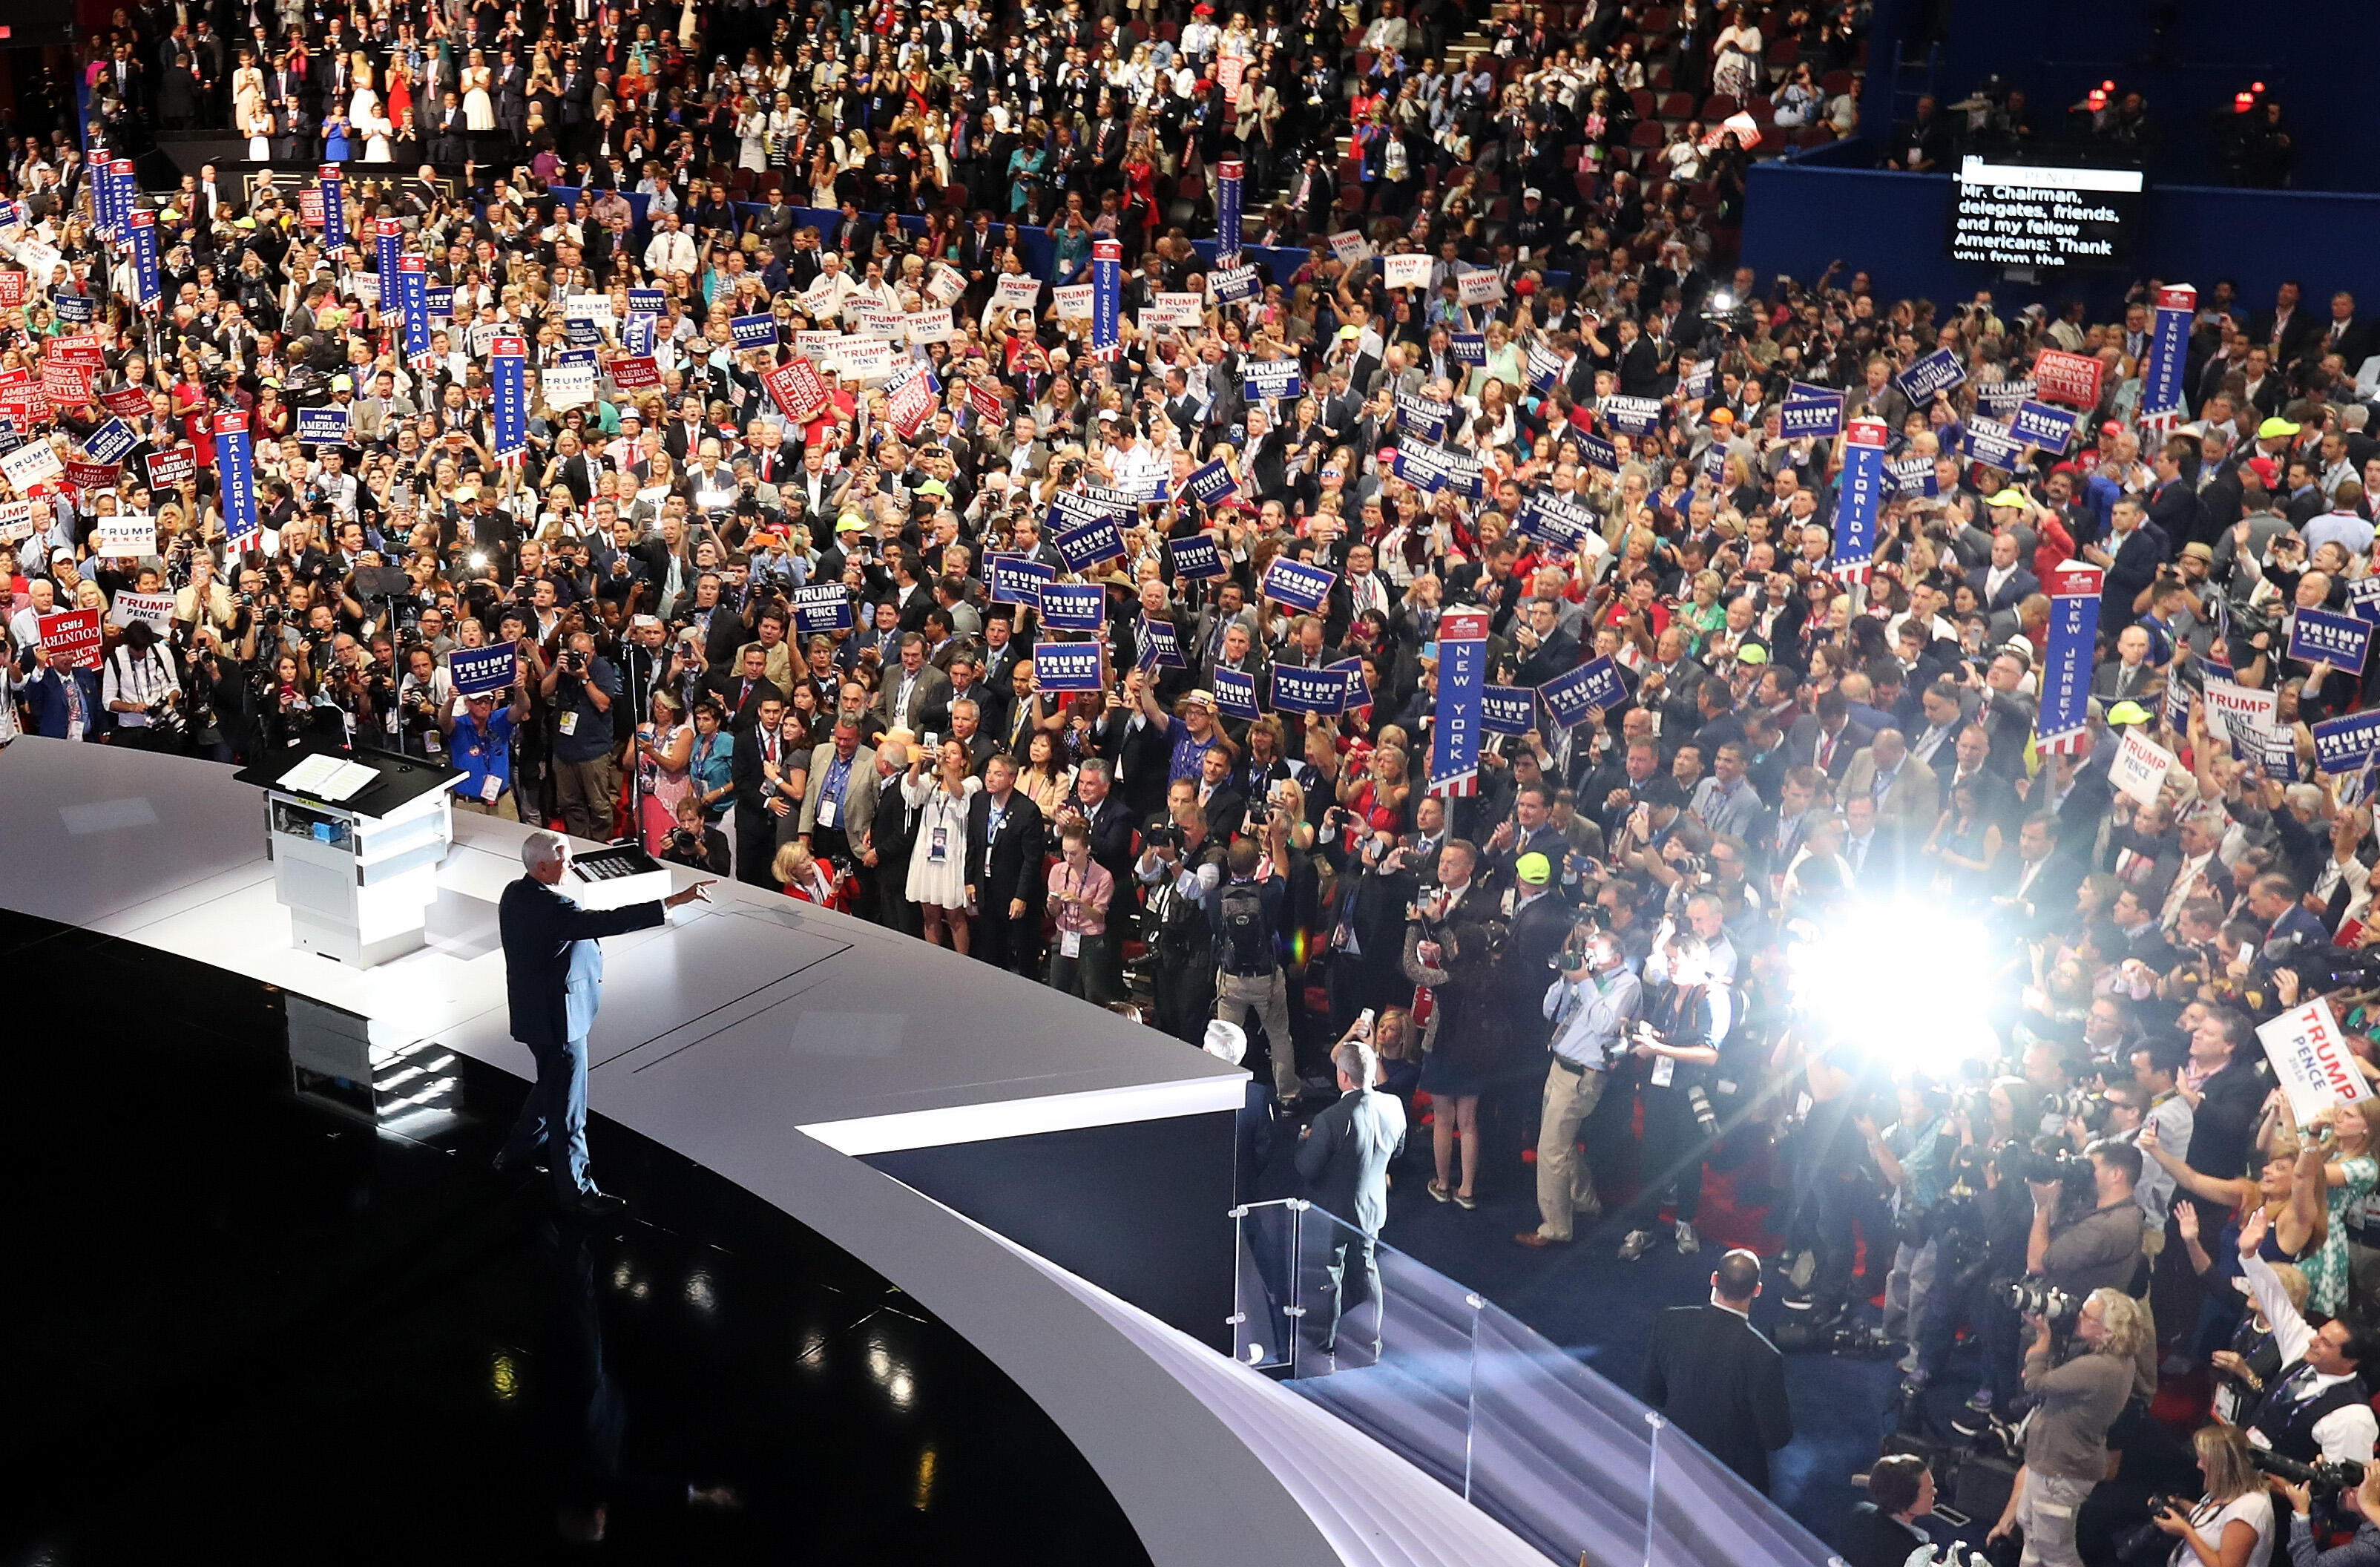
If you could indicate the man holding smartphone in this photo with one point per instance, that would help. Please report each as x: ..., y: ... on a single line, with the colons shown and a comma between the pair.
x: 1593, y: 1003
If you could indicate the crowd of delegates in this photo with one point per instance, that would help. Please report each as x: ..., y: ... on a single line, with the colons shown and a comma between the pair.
x: 1607, y: 921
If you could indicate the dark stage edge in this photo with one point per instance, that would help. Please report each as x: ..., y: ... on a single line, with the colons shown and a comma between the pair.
x: 250, y: 1328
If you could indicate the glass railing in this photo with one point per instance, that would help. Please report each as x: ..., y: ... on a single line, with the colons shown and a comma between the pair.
x: 1464, y: 1390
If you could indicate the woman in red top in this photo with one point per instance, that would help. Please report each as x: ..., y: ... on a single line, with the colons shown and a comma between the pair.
x: 806, y: 880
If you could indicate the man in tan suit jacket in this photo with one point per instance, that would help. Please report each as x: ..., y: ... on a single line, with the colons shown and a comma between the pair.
x: 1903, y: 788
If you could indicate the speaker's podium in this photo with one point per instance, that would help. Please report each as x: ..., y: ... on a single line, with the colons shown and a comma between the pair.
x: 356, y: 838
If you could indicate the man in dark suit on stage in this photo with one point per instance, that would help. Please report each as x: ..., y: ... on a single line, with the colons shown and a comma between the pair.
x: 553, y: 975
x: 1005, y: 844
x: 1718, y: 1378
x: 1343, y: 1159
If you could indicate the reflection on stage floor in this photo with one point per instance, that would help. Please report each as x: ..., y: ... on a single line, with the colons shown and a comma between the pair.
x: 265, y: 1312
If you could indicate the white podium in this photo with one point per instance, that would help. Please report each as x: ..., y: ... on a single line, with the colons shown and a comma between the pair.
x: 357, y: 872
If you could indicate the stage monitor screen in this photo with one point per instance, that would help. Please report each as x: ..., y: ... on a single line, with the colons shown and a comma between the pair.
x: 2044, y: 216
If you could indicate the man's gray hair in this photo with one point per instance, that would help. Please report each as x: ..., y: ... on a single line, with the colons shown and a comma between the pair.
x: 1356, y: 1060
x: 542, y: 847
x: 975, y: 708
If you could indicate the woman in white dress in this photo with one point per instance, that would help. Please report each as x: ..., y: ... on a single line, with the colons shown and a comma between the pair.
x: 752, y: 125
x: 257, y: 125
x: 478, y: 112
x: 246, y: 90
x: 937, y: 862
x: 371, y: 122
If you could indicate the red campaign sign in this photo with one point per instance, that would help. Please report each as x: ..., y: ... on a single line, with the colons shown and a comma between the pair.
x: 64, y: 382
x: 310, y: 206
x: 126, y: 402
x: 12, y: 287
x: 2179, y: 297
x: 24, y: 407
x: 19, y: 376
x: 92, y: 476
x: 984, y: 398
x: 2075, y: 580
x: 2071, y: 379
x: 633, y: 372
x: 75, y: 639
x: 169, y: 469
x: 83, y: 350
x: 1867, y: 432
x: 797, y: 389
x: 910, y: 405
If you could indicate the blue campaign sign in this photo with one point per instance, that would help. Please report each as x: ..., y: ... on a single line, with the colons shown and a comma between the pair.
x: 1810, y: 411
x: 1270, y: 378
x: 643, y: 301
x: 1359, y: 691
x: 1434, y: 469
x: 1468, y: 348
x: 1195, y: 558
x: 1212, y: 483
x: 2001, y: 398
x: 1122, y: 504
x: 580, y: 332
x: 442, y: 303
x: 1555, y: 519
x: 475, y: 670
x: 1696, y: 382
x: 1015, y: 579
x: 1937, y: 372
x: 1232, y: 285
x: 1086, y: 545
x: 2342, y: 641
x: 1322, y: 691
x: 1073, y: 606
x: 754, y: 331
x: 322, y: 427
x: 1292, y: 582
x: 1990, y: 444
x: 823, y: 606
x: 75, y: 308
x: 1067, y: 666
x: 1422, y: 416
x: 2274, y: 750
x: 2038, y: 424
x: 1631, y: 415
x: 1594, y: 685
x: 1236, y: 694
x: 1595, y: 450
x: 1160, y: 646
x: 2364, y: 596
x: 110, y: 442
x: 1913, y: 475
x: 2342, y: 744
x: 1508, y: 709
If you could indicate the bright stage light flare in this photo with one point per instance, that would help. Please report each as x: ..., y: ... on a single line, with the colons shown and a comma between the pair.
x: 1905, y: 983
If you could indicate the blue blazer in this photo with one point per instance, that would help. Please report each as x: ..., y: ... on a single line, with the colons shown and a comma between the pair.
x: 45, y: 694
x: 553, y: 971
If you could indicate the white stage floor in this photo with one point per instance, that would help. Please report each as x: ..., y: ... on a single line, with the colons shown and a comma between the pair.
x: 738, y: 1020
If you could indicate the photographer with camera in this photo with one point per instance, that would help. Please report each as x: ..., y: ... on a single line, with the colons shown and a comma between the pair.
x: 2066, y: 1439
x: 425, y: 706
x: 2364, y: 1551
x: 2231, y: 1524
x: 1691, y: 974
x: 1592, y: 1004
x: 2317, y: 1405
x: 142, y: 688
x: 582, y: 685
x: 1911, y: 1155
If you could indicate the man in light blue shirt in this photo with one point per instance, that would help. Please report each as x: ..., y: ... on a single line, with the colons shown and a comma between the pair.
x: 1592, y: 1004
